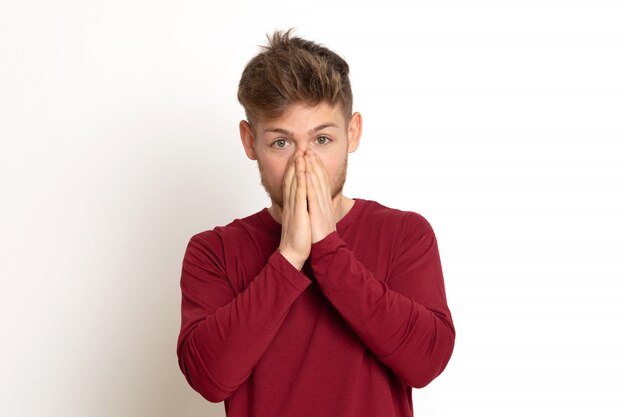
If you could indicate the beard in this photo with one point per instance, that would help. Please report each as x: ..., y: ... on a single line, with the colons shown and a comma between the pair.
x: 275, y: 191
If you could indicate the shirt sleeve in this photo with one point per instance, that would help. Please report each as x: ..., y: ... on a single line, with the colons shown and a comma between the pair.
x: 405, y: 321
x: 224, y: 334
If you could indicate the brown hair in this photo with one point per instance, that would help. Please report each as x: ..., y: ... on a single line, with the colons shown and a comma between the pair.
x: 291, y: 70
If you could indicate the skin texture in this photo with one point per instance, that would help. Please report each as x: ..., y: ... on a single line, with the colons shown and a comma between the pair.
x: 302, y: 158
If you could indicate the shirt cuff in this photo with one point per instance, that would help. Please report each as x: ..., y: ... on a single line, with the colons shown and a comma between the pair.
x: 280, y: 264
x: 330, y: 244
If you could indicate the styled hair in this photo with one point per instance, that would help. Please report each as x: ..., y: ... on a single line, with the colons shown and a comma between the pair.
x: 292, y: 70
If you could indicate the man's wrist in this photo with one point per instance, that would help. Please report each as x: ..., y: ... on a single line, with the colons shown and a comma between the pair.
x: 329, y: 244
x: 295, y: 261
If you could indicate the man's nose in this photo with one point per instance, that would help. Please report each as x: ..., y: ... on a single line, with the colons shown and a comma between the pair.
x: 301, y: 147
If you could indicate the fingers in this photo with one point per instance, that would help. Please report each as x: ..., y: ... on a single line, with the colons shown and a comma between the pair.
x: 301, y: 183
x: 293, y: 190
x: 294, y: 183
x: 321, y: 210
x: 313, y: 184
x: 318, y: 178
x: 287, y: 181
x: 295, y: 242
x: 316, y: 165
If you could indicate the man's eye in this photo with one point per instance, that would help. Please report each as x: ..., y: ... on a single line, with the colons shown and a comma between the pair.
x: 322, y: 140
x: 280, y: 143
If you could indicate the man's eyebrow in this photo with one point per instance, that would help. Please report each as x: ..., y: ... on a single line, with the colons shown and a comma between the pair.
x: 322, y: 127
x: 278, y: 130
x: 291, y: 134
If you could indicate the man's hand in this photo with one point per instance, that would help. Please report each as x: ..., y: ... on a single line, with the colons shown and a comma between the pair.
x: 295, y: 239
x: 321, y: 208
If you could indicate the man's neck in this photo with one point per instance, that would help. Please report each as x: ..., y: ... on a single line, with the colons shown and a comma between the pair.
x: 341, y: 203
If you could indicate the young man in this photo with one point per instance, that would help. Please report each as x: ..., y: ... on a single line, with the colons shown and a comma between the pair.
x: 321, y: 305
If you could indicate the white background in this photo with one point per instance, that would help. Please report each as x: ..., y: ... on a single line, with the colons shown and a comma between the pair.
x: 502, y: 122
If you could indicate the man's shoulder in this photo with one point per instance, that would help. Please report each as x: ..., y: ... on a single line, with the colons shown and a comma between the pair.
x: 237, y: 229
x: 375, y: 212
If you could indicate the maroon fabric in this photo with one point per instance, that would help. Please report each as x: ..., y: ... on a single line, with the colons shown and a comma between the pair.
x: 364, y: 321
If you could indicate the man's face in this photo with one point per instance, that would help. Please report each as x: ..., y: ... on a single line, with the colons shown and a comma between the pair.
x: 322, y: 128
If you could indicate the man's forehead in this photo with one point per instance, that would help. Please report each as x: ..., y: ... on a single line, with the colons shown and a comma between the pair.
x: 310, y: 131
x: 304, y: 118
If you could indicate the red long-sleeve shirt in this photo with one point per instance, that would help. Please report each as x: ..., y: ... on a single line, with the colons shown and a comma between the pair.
x: 364, y: 321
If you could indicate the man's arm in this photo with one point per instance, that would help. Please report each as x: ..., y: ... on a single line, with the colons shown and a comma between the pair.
x: 405, y: 322
x: 223, y: 334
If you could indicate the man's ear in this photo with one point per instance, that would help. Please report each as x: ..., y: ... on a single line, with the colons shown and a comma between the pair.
x: 354, y: 131
x: 247, y: 139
